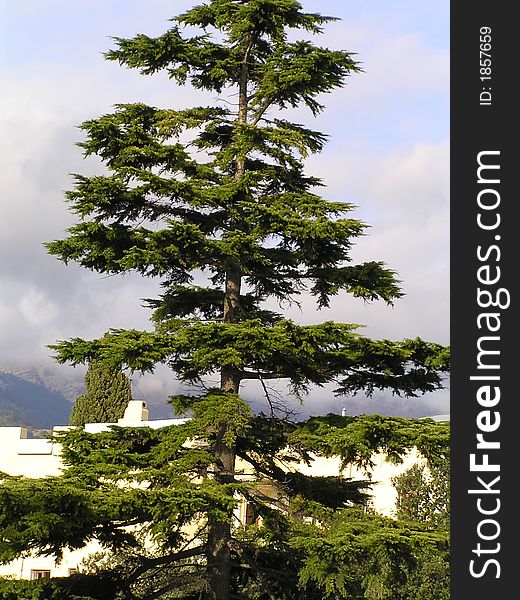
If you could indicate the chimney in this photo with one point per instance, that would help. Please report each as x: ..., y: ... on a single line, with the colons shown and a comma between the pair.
x: 135, y: 412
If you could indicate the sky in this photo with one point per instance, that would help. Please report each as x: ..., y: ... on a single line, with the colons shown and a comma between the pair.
x: 388, y: 153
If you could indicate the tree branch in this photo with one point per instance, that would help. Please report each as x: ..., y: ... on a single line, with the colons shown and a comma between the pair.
x: 150, y: 563
x: 256, y: 375
x: 261, y: 111
x: 256, y: 568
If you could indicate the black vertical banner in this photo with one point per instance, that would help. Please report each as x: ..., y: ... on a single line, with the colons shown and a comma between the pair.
x: 485, y: 165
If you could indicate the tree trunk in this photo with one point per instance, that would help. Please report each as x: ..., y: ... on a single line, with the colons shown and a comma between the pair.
x: 218, y: 553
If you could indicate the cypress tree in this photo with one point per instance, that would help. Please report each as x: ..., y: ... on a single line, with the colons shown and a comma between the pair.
x: 234, y: 204
x: 107, y: 393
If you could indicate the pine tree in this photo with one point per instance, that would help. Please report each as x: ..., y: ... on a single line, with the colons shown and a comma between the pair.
x: 107, y: 392
x: 423, y: 493
x: 234, y: 204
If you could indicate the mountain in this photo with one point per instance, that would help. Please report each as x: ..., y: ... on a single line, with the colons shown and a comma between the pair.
x: 40, y: 396
x: 31, y: 403
x: 64, y: 381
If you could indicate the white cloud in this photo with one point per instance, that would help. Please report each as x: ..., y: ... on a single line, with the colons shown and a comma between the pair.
x: 387, y: 154
x: 404, y: 195
x: 37, y: 309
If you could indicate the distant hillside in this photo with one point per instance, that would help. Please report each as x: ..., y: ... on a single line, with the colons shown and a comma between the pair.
x: 63, y: 381
x: 30, y: 404
x: 40, y: 396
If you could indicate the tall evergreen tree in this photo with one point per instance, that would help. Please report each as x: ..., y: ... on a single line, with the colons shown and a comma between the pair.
x: 107, y: 392
x: 234, y: 204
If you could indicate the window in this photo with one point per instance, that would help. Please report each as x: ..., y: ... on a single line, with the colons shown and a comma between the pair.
x: 250, y: 517
x: 40, y: 574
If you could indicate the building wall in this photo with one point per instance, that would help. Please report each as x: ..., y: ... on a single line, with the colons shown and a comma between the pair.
x: 31, y: 457
x: 383, y: 493
x: 20, y: 455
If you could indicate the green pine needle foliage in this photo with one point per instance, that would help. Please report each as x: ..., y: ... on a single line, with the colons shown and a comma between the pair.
x: 107, y: 393
x: 216, y: 204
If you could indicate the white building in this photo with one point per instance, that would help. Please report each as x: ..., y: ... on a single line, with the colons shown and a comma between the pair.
x: 33, y: 457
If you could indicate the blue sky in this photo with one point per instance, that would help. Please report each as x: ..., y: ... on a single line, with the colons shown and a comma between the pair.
x: 388, y: 153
